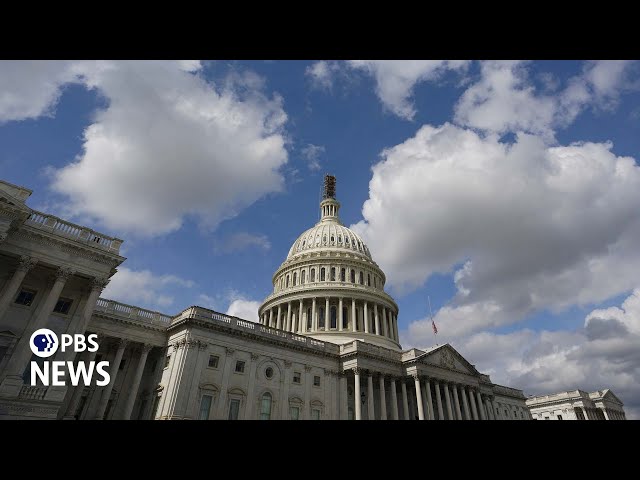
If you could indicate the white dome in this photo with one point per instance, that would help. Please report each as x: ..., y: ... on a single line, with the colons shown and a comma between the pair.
x: 328, y: 235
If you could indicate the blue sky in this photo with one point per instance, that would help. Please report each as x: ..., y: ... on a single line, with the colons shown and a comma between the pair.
x: 507, y: 192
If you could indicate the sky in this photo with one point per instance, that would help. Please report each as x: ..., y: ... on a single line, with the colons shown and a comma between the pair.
x: 505, y: 192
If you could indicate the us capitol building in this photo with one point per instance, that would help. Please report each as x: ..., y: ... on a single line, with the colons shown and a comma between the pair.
x: 326, y: 345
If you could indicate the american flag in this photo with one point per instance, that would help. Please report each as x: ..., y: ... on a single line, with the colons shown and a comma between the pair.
x: 435, y: 329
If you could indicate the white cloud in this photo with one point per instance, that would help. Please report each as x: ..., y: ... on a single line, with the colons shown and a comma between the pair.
x: 505, y: 100
x: 244, y: 309
x: 311, y: 154
x: 522, y: 226
x: 241, y: 241
x: 321, y: 73
x: 29, y: 88
x: 143, y: 288
x: 395, y: 79
x: 169, y: 145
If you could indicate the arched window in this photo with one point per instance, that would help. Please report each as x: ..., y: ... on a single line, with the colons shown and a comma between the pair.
x: 295, y: 278
x: 353, y: 276
x: 313, y: 275
x: 368, y: 279
x: 322, y: 274
x: 333, y: 274
x: 345, y: 318
x: 265, y: 407
x: 346, y: 240
x: 334, y: 320
x: 324, y: 239
x: 287, y: 284
x: 343, y: 275
x: 361, y: 278
x: 333, y: 239
x: 321, y: 317
x: 302, y: 277
x: 339, y: 238
x: 303, y: 243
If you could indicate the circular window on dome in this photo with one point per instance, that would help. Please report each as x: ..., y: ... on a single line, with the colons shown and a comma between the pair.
x: 268, y: 372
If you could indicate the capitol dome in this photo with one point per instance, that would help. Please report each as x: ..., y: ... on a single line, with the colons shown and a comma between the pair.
x: 329, y: 287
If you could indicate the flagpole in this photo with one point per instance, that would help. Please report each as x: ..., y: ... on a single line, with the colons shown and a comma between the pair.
x: 433, y: 325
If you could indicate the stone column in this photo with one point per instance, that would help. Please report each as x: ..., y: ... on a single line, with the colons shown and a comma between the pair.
x: 473, y: 404
x: 314, y: 317
x: 356, y: 392
x: 22, y: 351
x: 279, y: 319
x: 284, y: 406
x: 384, y: 321
x: 604, y: 412
x: 439, y: 400
x: 366, y: 318
x: 135, y: 384
x: 77, y: 392
x: 496, y: 410
x: 327, y: 316
x: 416, y: 379
x: 106, y: 391
x: 584, y: 412
x: 394, y: 400
x: 465, y: 404
x: 447, y: 398
x: 353, y: 315
x: 344, y: 397
x: 383, y: 400
x: 340, y: 317
x: 11, y: 289
x: 427, y: 385
x: 456, y: 402
x: 370, y: 401
x: 271, y: 317
x: 287, y: 327
x: 488, y: 408
x: 479, y: 397
x: 302, y: 325
x: 377, y: 318
x: 307, y: 392
x: 405, y: 400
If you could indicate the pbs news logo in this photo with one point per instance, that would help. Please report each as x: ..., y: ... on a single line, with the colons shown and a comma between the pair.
x: 44, y: 343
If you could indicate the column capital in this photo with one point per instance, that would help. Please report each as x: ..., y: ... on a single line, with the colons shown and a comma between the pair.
x: 146, y: 348
x: 230, y: 351
x: 27, y: 263
x: 328, y: 372
x: 287, y: 363
x: 63, y: 273
x: 255, y: 356
x: 357, y: 370
x: 415, y: 376
x: 307, y: 368
x: 98, y: 283
x: 122, y: 342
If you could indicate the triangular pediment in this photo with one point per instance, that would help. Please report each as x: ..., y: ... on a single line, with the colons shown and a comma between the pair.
x: 445, y: 356
x: 609, y: 395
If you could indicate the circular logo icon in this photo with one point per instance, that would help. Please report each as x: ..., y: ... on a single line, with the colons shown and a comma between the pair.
x: 44, y: 342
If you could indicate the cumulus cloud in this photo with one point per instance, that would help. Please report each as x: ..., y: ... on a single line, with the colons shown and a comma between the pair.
x: 241, y: 241
x: 169, y: 145
x: 144, y: 288
x: 522, y: 226
x: 395, y: 79
x: 504, y: 99
x: 245, y: 309
x: 311, y: 153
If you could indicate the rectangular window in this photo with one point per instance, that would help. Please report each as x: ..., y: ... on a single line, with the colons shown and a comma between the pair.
x: 559, y: 417
x: 296, y: 377
x: 25, y: 297
x: 63, y: 305
x: 239, y: 366
x: 316, y: 381
x: 205, y: 407
x: 234, y: 408
x: 166, y: 361
x: 294, y: 413
x: 315, y: 414
x: 213, y: 361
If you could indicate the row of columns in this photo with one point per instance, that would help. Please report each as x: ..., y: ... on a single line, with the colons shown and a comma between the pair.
x: 281, y: 283
x: 607, y: 414
x: 450, y: 397
x: 285, y: 316
x: 114, y: 366
x: 22, y: 351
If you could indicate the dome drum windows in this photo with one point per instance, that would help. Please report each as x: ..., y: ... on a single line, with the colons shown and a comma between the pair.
x: 361, y: 278
x: 313, y: 275
x: 287, y: 282
x: 353, y: 276
x: 295, y: 278
x: 333, y: 274
x: 343, y: 275
x: 322, y: 274
x: 302, y: 277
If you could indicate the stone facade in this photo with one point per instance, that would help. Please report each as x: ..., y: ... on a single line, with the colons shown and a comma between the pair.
x: 325, y: 347
x: 577, y: 405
